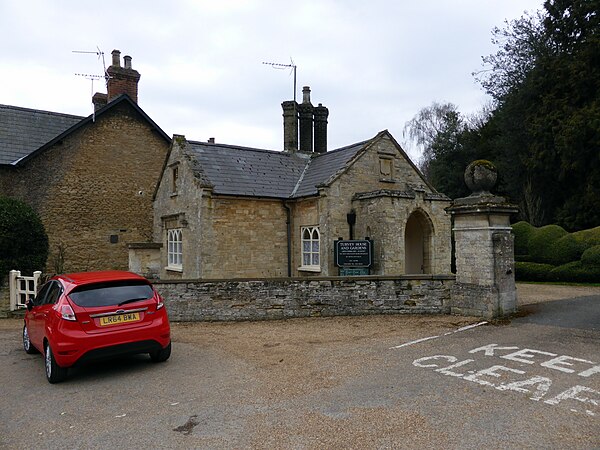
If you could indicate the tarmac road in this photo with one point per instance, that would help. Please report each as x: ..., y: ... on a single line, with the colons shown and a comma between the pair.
x: 358, y: 382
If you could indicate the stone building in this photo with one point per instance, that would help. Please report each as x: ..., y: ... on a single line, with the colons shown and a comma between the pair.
x: 92, y: 178
x: 223, y: 211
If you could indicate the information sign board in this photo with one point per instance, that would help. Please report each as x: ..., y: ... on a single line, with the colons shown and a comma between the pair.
x: 353, y: 253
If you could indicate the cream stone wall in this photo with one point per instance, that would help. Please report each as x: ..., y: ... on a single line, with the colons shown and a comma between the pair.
x: 305, y: 213
x: 178, y: 205
x: 248, y: 238
x: 382, y: 216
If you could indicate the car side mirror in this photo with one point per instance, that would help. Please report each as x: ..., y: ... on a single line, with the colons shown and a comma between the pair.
x: 29, y: 304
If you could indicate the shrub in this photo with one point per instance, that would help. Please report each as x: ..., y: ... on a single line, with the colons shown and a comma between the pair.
x: 576, y: 272
x: 589, y: 238
x: 23, y: 240
x: 528, y: 271
x: 523, y: 232
x: 591, y: 257
x: 567, y: 249
x: 541, y: 243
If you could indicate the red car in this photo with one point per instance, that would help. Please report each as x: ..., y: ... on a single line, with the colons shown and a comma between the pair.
x: 88, y: 316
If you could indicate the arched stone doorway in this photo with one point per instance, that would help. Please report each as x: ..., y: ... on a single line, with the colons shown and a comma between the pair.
x: 417, y: 243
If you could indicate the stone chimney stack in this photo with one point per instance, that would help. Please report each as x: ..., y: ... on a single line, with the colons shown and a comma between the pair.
x: 305, y: 115
x: 321, y: 114
x: 99, y: 100
x: 123, y: 80
x: 304, y: 126
x: 290, y: 126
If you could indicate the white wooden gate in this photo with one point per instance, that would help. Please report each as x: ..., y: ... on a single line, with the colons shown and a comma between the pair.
x: 22, y: 288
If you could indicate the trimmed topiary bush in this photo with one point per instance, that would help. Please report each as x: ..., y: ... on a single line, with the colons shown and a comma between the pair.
x: 567, y: 249
x: 576, y: 272
x: 591, y: 257
x: 589, y: 238
x: 541, y: 243
x: 23, y: 239
x: 523, y: 232
x: 551, y: 254
x: 529, y: 271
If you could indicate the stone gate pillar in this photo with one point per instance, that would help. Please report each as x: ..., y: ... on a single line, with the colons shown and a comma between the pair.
x: 485, y: 268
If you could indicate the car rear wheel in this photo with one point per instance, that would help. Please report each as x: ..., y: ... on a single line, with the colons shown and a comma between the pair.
x: 161, y: 355
x: 30, y: 349
x: 54, y: 373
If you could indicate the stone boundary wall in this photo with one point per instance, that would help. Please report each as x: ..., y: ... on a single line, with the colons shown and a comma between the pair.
x: 283, y: 298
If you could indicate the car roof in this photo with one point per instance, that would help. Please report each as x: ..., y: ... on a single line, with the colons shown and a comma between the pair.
x: 81, y: 278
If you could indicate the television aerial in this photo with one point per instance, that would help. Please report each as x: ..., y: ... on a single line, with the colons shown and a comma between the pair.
x: 280, y: 66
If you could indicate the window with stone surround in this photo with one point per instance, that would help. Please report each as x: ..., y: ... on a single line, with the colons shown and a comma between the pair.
x: 311, y: 247
x: 175, y: 249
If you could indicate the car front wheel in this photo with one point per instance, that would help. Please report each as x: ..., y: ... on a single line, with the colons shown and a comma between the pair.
x: 161, y: 355
x: 30, y: 349
x: 54, y: 373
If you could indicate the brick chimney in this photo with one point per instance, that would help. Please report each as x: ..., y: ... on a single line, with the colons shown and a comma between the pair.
x: 305, y: 116
x: 320, y: 116
x: 123, y: 80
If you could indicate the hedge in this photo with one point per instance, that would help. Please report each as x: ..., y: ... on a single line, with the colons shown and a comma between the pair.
x: 523, y: 232
x: 576, y: 272
x: 23, y: 240
x: 541, y: 243
x: 551, y: 254
x: 529, y: 271
x: 591, y: 257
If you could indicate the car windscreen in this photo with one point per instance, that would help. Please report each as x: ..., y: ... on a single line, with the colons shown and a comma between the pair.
x: 114, y: 293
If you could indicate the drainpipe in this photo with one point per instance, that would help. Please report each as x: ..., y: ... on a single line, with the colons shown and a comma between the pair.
x: 288, y: 222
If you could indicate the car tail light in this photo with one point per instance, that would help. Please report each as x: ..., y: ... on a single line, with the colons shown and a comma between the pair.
x: 67, y: 313
x: 160, y: 303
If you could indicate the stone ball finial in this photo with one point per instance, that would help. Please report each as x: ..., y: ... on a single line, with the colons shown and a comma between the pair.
x: 481, y: 176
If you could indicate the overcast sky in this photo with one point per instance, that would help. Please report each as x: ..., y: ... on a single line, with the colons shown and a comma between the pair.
x: 374, y: 63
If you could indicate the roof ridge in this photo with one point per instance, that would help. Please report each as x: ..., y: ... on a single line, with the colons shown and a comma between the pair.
x: 238, y: 147
x: 299, y: 182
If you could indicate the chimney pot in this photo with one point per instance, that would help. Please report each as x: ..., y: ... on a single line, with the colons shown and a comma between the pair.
x: 306, y: 94
x: 211, y: 140
x: 116, y: 58
x: 127, y: 61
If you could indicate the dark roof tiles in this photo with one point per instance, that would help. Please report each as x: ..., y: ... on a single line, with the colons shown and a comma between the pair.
x: 233, y: 170
x: 23, y: 130
x: 244, y: 171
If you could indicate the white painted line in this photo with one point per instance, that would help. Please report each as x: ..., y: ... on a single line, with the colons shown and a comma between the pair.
x: 415, y: 342
x: 468, y: 327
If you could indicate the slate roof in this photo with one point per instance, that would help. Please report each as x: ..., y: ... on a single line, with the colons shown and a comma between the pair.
x: 26, y: 132
x: 324, y: 166
x: 23, y: 130
x: 233, y: 170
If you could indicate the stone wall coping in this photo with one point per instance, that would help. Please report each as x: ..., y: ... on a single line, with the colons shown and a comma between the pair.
x: 483, y: 208
x: 416, y: 277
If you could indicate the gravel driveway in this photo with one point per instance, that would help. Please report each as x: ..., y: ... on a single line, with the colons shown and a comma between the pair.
x: 301, y: 383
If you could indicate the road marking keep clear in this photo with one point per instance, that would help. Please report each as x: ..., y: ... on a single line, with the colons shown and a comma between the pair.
x: 505, y: 378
